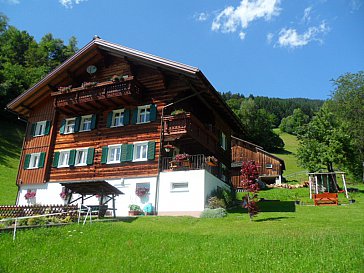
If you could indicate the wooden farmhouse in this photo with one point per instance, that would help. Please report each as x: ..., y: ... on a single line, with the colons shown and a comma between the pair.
x: 114, y: 123
x: 269, y: 166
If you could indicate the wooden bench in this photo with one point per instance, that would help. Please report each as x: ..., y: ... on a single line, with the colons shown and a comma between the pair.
x: 325, y: 199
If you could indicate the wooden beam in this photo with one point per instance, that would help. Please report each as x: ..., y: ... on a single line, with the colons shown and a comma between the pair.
x: 52, y: 87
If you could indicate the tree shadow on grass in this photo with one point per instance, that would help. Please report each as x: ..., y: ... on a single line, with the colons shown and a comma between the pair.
x: 269, y: 206
x: 282, y: 152
x: 272, y: 219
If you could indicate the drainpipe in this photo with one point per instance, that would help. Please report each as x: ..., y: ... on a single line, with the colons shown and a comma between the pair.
x: 161, y: 137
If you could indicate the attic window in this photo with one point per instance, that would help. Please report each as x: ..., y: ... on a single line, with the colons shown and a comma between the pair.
x: 269, y: 166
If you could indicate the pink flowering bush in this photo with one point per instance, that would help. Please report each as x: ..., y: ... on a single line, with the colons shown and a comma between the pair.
x: 249, y: 183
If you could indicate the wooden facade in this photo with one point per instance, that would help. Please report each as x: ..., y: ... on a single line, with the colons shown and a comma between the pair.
x: 70, y: 92
x: 269, y: 166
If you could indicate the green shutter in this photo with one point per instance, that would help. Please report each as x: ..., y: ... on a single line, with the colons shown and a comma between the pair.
x: 63, y: 125
x: 126, y: 117
x: 90, y: 156
x: 105, y: 150
x: 55, y: 160
x: 109, y: 119
x: 153, y: 112
x: 26, y: 161
x: 93, y: 122
x: 129, y: 154
x: 47, y: 128
x: 134, y: 116
x: 126, y: 152
x: 32, y: 129
x: 77, y: 124
x: 151, y: 150
x: 71, y: 160
x: 41, y: 160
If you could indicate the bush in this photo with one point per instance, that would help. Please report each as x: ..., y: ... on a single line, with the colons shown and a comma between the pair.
x: 214, y: 213
x: 214, y: 202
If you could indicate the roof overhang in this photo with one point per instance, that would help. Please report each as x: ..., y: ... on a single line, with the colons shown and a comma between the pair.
x: 91, y: 187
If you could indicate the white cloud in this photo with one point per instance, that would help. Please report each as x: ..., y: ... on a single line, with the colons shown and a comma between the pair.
x: 231, y: 18
x: 355, y: 5
x: 307, y: 15
x: 201, y: 17
x: 242, y: 35
x: 69, y: 3
x: 290, y: 37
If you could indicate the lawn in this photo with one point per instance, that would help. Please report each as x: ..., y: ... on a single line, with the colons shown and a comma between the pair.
x: 11, y: 138
x: 311, y: 239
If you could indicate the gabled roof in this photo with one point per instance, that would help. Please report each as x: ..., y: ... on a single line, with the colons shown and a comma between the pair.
x: 23, y: 103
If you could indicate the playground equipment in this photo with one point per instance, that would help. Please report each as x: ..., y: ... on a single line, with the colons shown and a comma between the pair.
x: 324, y: 188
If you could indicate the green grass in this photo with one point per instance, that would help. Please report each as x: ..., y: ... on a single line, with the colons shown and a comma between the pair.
x: 312, y: 239
x: 293, y: 171
x: 11, y: 137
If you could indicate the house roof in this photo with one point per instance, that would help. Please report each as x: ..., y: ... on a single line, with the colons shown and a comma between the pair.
x: 23, y: 104
x: 91, y: 187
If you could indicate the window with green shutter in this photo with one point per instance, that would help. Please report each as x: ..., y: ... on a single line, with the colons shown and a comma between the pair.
x: 63, y: 125
x: 90, y: 156
x: 41, y: 160
x: 72, y: 157
x: 151, y: 150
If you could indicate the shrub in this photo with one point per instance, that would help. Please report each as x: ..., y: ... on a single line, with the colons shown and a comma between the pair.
x: 213, y: 213
x: 214, y: 202
x: 223, y: 194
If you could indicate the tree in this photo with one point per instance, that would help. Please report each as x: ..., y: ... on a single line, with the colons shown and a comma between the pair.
x: 291, y: 124
x: 258, y: 124
x: 323, y: 143
x: 347, y: 104
x: 249, y: 183
x: 23, y: 61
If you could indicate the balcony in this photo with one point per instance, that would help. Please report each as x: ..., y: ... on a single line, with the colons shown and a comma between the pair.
x: 98, y: 95
x: 195, y: 162
x: 189, y: 127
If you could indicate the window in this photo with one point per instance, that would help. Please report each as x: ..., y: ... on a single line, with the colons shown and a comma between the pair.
x: 269, y: 166
x: 40, y: 128
x: 223, y: 141
x: 114, y: 154
x: 64, y: 157
x: 223, y: 172
x: 179, y: 186
x: 86, y: 123
x: 81, y: 157
x: 143, y: 114
x: 140, y: 151
x: 34, y: 161
x: 117, y: 118
x: 70, y: 126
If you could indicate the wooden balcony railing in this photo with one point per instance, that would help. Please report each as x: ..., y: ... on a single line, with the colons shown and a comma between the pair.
x: 188, y: 124
x: 101, y: 91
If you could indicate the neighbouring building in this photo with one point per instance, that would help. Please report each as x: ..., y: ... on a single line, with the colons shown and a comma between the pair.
x: 115, y: 124
x: 270, y: 167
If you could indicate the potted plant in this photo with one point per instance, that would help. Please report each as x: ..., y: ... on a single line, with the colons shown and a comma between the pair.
x: 116, y: 78
x: 134, y: 210
x: 181, y: 161
x: 211, y: 161
x: 88, y: 84
x: 65, y: 89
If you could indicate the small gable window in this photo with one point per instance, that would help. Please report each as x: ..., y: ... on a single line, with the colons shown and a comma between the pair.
x: 86, y: 123
x: 70, y: 126
x: 40, y: 128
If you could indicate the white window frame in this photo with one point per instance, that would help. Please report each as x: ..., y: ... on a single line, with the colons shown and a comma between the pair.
x: 40, y: 128
x: 269, y: 166
x: 61, y: 159
x: 115, y: 159
x: 223, y: 141
x: 67, y: 126
x: 182, y: 186
x: 83, y: 122
x: 138, y: 156
x: 143, y: 114
x: 34, y: 161
x: 84, y: 157
x: 119, y: 120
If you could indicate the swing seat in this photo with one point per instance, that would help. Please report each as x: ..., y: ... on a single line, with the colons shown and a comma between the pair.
x: 325, y: 199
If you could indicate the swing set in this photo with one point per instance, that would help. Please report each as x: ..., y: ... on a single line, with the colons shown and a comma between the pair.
x: 324, y: 188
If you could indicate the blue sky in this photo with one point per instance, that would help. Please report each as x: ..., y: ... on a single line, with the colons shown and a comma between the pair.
x: 274, y: 48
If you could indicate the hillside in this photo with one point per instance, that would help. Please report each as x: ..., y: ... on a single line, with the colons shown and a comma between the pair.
x: 11, y: 137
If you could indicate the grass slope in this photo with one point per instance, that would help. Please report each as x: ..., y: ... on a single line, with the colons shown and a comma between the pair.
x: 11, y: 137
x: 312, y: 239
